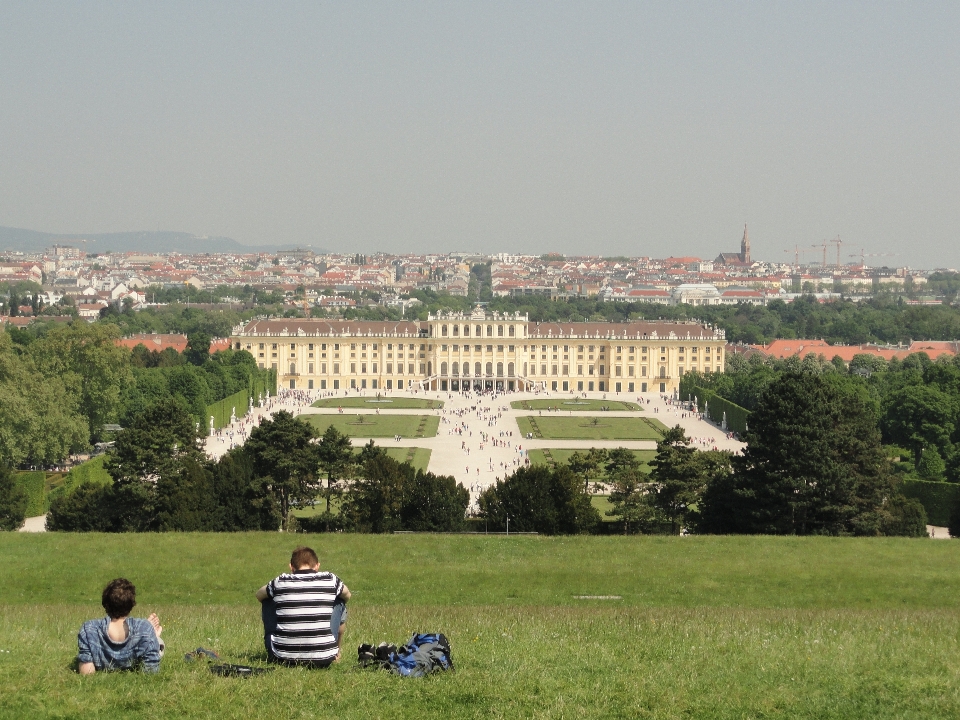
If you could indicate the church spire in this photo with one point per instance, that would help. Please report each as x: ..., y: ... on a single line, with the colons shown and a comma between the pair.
x: 745, y: 246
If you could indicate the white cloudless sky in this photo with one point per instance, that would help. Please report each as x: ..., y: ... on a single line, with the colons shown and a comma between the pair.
x: 585, y: 128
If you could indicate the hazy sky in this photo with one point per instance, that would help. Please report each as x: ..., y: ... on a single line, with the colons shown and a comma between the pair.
x: 598, y: 127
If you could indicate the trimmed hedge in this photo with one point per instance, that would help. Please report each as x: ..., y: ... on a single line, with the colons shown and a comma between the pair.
x: 241, y: 400
x: 937, y: 498
x: 33, y: 483
x: 91, y: 471
x: 222, y: 409
x: 737, y: 417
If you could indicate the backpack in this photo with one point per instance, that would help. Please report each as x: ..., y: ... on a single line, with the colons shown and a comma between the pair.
x: 424, y: 653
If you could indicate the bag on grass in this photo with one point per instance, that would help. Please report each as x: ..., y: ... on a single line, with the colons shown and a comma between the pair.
x: 424, y: 653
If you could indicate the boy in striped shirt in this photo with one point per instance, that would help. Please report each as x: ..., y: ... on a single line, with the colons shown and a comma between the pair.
x: 304, y: 613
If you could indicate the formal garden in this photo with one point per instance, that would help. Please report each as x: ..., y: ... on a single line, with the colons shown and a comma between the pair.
x: 558, y: 427
x: 364, y: 425
x: 574, y: 404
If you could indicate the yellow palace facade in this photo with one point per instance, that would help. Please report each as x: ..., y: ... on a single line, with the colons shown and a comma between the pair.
x: 481, y: 351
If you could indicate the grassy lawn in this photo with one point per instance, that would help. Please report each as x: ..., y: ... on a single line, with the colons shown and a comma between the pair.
x: 547, y: 456
x: 377, y: 426
x: 583, y: 428
x: 574, y: 404
x: 703, y: 628
x: 602, y: 504
x: 384, y: 403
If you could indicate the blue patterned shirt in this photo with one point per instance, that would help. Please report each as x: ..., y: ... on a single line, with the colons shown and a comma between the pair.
x: 142, y: 647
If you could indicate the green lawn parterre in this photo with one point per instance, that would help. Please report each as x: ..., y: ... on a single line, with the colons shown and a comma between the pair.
x: 568, y: 405
x: 706, y: 627
x: 377, y: 426
x: 558, y: 427
x: 383, y: 403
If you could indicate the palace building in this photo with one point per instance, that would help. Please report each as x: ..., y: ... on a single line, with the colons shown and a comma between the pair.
x: 481, y: 351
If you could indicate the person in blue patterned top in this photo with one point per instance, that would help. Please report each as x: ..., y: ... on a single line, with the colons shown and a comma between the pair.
x: 118, y: 641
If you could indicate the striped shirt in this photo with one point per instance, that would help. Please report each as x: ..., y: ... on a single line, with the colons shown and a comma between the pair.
x: 304, y: 603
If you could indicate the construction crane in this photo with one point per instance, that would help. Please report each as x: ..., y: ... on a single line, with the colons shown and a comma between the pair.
x: 863, y: 255
x: 838, y: 242
x: 796, y: 255
x: 824, y: 246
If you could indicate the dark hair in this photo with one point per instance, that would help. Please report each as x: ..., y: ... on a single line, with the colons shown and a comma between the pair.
x: 119, y: 598
x: 303, y: 556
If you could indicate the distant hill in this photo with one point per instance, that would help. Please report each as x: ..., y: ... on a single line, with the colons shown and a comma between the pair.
x: 32, y: 241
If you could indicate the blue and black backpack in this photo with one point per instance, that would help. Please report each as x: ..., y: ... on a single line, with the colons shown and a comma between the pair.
x: 424, y: 653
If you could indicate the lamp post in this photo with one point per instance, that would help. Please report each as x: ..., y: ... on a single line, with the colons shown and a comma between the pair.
x: 508, y: 526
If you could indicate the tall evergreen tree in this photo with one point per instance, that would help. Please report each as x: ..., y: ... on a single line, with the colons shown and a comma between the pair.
x: 813, y: 463
x: 282, y: 449
x: 678, y: 477
x: 630, y: 499
x: 337, y: 460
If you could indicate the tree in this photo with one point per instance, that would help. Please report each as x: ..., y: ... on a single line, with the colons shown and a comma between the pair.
x: 388, y: 495
x: 920, y: 416
x: 244, y: 501
x: 630, y: 500
x: 155, y: 444
x: 282, y: 449
x: 620, y: 460
x: 954, y: 522
x: 434, y: 503
x: 813, y: 463
x: 677, y: 475
x: 374, y: 501
x: 91, y: 365
x: 13, y: 501
x: 84, y: 509
x: 186, y: 501
x: 540, y: 499
x: 198, y: 349
x: 586, y: 466
x: 40, y: 421
x: 904, y: 517
x: 931, y: 466
x: 337, y: 460
x: 91, y: 507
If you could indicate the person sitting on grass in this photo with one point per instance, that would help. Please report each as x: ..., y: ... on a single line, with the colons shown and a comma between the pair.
x: 304, y: 613
x: 118, y: 641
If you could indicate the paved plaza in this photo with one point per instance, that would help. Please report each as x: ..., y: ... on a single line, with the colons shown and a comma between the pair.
x: 478, y: 440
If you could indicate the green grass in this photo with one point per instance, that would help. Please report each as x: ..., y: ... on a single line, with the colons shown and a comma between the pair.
x: 378, y: 426
x: 551, y: 456
x: 582, y: 428
x: 602, y: 504
x: 573, y: 404
x: 706, y: 627
x: 395, y: 403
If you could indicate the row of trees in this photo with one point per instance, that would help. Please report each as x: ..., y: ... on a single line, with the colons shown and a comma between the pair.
x: 161, y: 481
x: 914, y: 402
x: 59, y: 385
x: 813, y: 465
